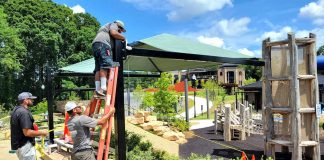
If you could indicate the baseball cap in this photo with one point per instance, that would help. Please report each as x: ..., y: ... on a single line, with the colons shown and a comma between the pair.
x: 70, y: 105
x: 25, y: 95
x: 121, y: 25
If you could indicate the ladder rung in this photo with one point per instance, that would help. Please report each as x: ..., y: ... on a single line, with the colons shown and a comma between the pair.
x: 308, y: 143
x: 306, y: 77
x: 306, y: 110
x: 277, y: 43
x: 99, y: 97
x: 280, y: 142
x: 279, y: 78
x: 305, y: 40
x: 281, y: 110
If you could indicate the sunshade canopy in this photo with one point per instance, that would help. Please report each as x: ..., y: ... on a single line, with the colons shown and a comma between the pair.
x: 167, y: 52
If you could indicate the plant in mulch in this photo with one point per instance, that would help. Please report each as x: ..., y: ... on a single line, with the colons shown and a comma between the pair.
x: 140, y: 150
x: 180, y: 124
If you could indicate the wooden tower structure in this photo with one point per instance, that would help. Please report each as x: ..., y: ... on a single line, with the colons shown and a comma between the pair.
x: 290, y: 97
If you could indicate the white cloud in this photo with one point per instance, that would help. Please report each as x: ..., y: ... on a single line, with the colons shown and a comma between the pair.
x: 234, y: 27
x: 78, y: 9
x: 246, y: 52
x: 214, y: 41
x: 178, y: 10
x: 276, y: 35
x: 315, y: 11
x: 282, y: 34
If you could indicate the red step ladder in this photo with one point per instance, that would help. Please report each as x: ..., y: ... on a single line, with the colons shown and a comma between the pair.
x: 95, y: 103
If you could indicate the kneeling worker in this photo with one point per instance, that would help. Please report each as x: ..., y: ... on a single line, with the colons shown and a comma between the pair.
x: 79, y: 126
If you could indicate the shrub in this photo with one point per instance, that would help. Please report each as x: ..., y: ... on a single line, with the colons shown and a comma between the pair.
x: 194, y: 156
x: 180, y: 124
x: 41, y: 107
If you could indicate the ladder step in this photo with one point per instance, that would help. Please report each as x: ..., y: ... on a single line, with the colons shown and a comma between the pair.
x: 283, y: 110
x: 280, y: 142
x: 307, y: 110
x: 99, y: 97
x: 308, y: 143
x: 279, y: 79
x: 306, y: 77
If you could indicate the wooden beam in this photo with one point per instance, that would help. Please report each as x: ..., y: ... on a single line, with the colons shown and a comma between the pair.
x: 295, y: 100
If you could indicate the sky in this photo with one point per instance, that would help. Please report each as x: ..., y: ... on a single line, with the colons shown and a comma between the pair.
x: 237, y: 25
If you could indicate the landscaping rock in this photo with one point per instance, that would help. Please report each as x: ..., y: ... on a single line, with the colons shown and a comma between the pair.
x: 146, y: 113
x: 150, y: 118
x: 170, y: 135
x: 139, y: 114
x: 135, y: 120
x: 150, y: 125
x: 181, y: 141
x: 147, y: 126
x: 161, y: 128
x: 180, y: 135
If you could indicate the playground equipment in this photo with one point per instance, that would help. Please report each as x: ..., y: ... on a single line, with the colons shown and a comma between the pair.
x: 95, y: 109
x: 236, y: 123
x: 290, y: 91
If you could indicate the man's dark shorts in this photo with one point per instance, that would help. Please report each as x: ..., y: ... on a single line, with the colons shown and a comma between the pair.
x: 102, y: 54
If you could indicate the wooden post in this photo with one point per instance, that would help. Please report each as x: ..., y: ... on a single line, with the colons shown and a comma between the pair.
x: 295, y: 100
x: 315, y: 96
x: 227, y: 123
x: 267, y: 99
x: 215, y: 119
x: 248, y: 119
x: 242, y: 119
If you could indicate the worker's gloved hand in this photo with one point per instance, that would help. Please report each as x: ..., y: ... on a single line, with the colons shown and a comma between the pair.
x: 35, y: 127
x: 128, y: 47
x: 43, y: 133
x: 112, y: 110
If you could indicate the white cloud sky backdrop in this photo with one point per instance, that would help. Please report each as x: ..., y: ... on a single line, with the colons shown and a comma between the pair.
x: 78, y: 9
x: 235, y: 25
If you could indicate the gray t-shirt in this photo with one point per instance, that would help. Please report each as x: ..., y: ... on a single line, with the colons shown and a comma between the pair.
x: 104, y: 36
x: 79, y: 127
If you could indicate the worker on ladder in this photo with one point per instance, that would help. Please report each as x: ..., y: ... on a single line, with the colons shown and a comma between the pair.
x: 79, y: 126
x: 102, y: 51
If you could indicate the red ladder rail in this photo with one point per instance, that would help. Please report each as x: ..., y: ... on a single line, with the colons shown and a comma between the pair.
x: 110, y: 102
x: 111, y: 119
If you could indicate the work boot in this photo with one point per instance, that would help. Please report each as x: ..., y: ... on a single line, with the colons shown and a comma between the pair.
x: 100, y: 93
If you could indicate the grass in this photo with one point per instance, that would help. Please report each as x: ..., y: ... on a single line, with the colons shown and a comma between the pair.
x: 190, y: 105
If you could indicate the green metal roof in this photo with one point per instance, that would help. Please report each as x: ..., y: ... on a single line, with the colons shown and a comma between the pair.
x: 168, y: 46
x: 172, y: 43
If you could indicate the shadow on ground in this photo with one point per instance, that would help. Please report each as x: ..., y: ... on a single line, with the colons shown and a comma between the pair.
x: 206, y: 142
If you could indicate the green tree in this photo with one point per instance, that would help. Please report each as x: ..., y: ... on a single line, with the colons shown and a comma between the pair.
x: 249, y: 81
x: 50, y: 33
x: 12, y: 52
x: 252, y: 71
x: 164, y: 99
x: 148, y: 100
x: 320, y: 50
